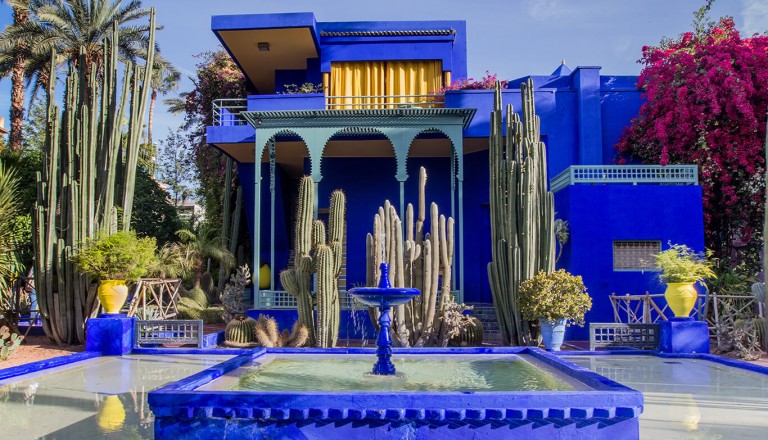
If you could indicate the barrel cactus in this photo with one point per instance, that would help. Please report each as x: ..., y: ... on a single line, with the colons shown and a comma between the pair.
x: 470, y: 334
x: 241, y: 332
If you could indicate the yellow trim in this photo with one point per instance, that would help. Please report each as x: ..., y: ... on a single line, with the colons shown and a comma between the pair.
x: 446, y: 78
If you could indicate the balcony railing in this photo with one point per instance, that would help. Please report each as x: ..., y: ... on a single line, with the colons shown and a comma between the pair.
x: 227, y: 111
x: 384, y: 102
x: 634, y: 174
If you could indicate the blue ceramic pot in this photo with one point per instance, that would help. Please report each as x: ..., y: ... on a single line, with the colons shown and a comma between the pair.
x: 552, y: 334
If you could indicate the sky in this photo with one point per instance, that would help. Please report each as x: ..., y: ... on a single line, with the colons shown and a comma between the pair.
x: 512, y: 38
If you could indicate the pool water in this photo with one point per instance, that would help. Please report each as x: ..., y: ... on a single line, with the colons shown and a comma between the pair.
x: 690, y: 398
x: 104, y: 397
x: 462, y: 373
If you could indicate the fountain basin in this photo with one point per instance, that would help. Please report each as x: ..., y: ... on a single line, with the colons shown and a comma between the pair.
x: 590, y: 406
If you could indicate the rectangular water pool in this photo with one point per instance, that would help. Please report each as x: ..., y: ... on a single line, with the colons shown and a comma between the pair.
x: 449, y: 393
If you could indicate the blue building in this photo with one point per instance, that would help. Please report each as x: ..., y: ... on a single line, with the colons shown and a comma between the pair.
x: 378, y: 120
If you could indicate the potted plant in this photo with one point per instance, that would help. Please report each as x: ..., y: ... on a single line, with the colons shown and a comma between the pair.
x: 681, y: 268
x: 113, y: 260
x: 556, y: 299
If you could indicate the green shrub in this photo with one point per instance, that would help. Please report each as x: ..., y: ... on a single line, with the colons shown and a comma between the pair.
x: 120, y: 256
x: 213, y: 315
x: 680, y: 264
x: 184, y: 312
x: 554, y: 296
x: 190, y: 304
x: 197, y: 295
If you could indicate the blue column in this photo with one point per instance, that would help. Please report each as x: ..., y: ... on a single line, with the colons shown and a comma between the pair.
x: 586, y: 81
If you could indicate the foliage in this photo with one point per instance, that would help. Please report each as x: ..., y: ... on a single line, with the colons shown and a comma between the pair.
x: 732, y: 281
x: 176, y: 164
x: 216, y: 77
x: 554, y: 296
x: 25, y: 165
x: 9, y: 342
x: 212, y: 315
x: 9, y: 236
x: 69, y: 27
x: 121, y: 256
x: 562, y: 234
x: 197, y: 295
x: 487, y: 82
x: 705, y: 101
x: 232, y: 296
x: 154, y: 215
x: 201, y: 246
x: 174, y: 260
x: 680, y: 264
x: 741, y: 337
x: 303, y: 89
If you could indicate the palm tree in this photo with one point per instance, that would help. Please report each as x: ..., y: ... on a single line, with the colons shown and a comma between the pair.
x: 14, y: 65
x: 71, y: 27
x: 165, y: 78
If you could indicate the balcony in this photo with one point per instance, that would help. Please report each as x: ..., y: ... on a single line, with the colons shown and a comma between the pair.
x: 626, y: 174
x: 226, y: 112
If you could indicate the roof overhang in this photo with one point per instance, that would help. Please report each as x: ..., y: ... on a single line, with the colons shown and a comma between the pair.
x: 291, y: 40
x: 359, y: 118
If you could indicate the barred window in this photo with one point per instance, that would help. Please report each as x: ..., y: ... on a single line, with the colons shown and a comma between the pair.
x: 635, y: 255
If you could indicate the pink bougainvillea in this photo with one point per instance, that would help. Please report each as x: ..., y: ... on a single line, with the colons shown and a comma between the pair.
x: 486, y: 82
x: 706, y: 96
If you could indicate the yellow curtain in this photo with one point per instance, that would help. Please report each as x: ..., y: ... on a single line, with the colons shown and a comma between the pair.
x: 379, y: 78
x: 413, y: 78
x: 356, y: 79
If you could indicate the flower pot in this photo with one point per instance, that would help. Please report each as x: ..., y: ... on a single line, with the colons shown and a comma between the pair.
x: 681, y: 298
x: 265, y: 273
x: 552, y: 334
x: 112, y: 294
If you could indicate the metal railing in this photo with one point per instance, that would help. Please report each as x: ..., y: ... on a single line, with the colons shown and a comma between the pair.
x: 384, y: 102
x: 278, y: 299
x: 613, y: 335
x: 183, y: 331
x: 634, y: 174
x: 227, y: 111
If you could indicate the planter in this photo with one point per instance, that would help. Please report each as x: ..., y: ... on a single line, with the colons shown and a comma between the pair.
x: 552, y: 334
x: 681, y: 298
x: 112, y: 294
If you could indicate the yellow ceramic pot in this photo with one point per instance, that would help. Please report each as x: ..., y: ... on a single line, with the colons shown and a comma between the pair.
x: 111, y: 414
x: 265, y: 273
x: 112, y: 294
x: 681, y: 298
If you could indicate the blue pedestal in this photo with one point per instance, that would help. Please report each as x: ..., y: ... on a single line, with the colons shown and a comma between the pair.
x: 683, y: 335
x: 110, y: 334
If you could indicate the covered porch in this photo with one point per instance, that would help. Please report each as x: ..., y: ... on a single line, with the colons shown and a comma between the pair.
x: 367, y: 153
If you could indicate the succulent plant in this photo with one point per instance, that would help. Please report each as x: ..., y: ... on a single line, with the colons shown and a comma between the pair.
x: 267, y: 333
x: 241, y: 332
x: 9, y: 342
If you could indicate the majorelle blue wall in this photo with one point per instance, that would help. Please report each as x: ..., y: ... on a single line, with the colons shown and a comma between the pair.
x: 598, y: 215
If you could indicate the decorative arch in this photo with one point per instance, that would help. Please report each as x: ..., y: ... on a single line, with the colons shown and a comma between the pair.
x: 356, y: 130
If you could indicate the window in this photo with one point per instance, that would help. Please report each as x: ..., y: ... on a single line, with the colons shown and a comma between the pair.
x: 635, y: 255
x: 375, y: 79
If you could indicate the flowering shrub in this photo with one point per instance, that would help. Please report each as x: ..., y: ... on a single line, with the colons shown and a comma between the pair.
x: 554, y: 296
x: 486, y: 82
x: 306, y: 88
x: 705, y: 99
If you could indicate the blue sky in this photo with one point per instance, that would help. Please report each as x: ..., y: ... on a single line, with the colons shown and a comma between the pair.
x: 512, y: 38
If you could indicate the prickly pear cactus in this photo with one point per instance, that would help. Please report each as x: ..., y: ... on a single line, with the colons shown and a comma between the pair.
x: 9, y: 342
x: 241, y: 332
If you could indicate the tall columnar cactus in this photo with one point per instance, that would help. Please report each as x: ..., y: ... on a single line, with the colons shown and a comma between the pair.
x: 417, y: 261
x: 87, y: 175
x: 317, y: 254
x: 522, y: 211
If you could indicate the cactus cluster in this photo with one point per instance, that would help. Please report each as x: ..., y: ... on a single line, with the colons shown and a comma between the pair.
x: 9, y: 342
x: 522, y: 211
x: 470, y: 334
x: 87, y: 178
x: 421, y: 260
x: 316, y: 253
x: 264, y: 332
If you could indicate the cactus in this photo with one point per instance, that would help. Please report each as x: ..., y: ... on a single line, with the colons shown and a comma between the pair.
x: 315, y: 255
x: 87, y: 177
x: 197, y: 295
x: 419, y: 260
x: 470, y: 334
x: 267, y: 333
x: 9, y: 342
x: 241, y: 332
x: 232, y: 296
x: 522, y: 212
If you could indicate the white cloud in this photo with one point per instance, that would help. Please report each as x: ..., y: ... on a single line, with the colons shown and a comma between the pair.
x: 755, y: 15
